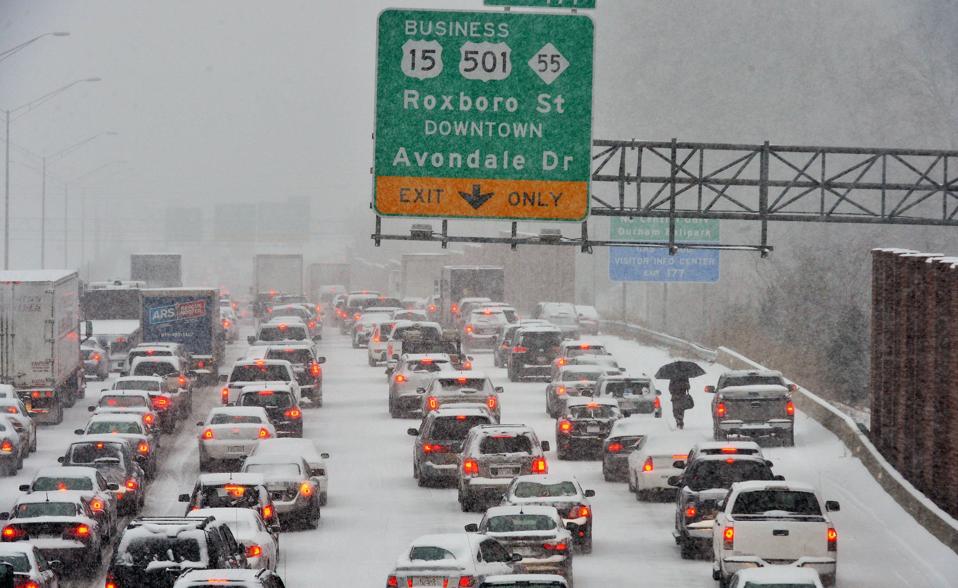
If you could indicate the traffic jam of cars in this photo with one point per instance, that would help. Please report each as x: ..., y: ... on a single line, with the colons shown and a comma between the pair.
x: 259, y: 477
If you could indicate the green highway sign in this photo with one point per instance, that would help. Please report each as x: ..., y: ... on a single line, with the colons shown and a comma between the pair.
x: 544, y: 3
x: 687, y: 230
x: 483, y: 115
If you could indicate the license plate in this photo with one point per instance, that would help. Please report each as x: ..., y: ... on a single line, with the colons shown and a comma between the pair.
x: 542, y: 359
x: 593, y: 429
x: 236, y: 449
x: 424, y: 581
x: 504, y: 472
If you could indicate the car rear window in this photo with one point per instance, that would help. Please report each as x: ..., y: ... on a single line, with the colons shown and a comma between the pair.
x: 141, y: 551
x: 145, y: 385
x: 267, y: 399
x: 54, y: 484
x: 755, y: 380
x: 290, y: 333
x: 90, y: 452
x: 19, y: 562
x: 300, y: 313
x: 108, y: 428
x: 427, y: 553
x: 151, y: 353
x: 540, y: 340
x: 31, y: 510
x: 235, y: 419
x: 519, y: 523
x: 724, y: 473
x: 628, y: 388
x: 274, y: 469
x: 259, y: 373
x: 586, y: 350
x: 569, y: 376
x: 463, y: 383
x: 229, y: 496
x: 494, y: 444
x: 766, y: 501
x: 123, y: 401
x: 416, y: 332
x: 598, y: 412
x: 540, y: 490
x: 294, y: 356
x: 455, y: 428
x: 428, y: 365
x: 154, y: 368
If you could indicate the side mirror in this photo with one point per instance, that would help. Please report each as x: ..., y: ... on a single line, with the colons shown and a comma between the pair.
x: 24, y: 487
x: 420, y: 390
x: 56, y: 565
x: 769, y: 463
x: 60, y: 459
x: 710, y: 389
x: 779, y: 478
x: 112, y: 486
x: 223, y: 377
x: 251, y: 339
x: 90, y: 408
x: 275, y: 529
x: 190, y: 373
x: 674, y: 481
x: 321, y: 359
x: 183, y: 498
x: 500, y: 390
x: 832, y: 506
x: 4, y: 516
x: 546, y: 446
x: 472, y: 528
x: 412, y: 432
x: 515, y: 557
x: 678, y: 464
x: 78, y: 431
x: 793, y: 387
x: 199, y: 423
x: 658, y: 392
x: 324, y: 455
x: 589, y: 493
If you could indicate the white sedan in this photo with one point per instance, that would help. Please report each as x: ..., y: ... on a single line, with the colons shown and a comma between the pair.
x: 17, y: 412
x: 651, y: 464
x: 454, y: 559
x: 258, y: 540
x: 231, y: 433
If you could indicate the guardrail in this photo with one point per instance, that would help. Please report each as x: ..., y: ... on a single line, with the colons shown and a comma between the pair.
x: 935, y: 520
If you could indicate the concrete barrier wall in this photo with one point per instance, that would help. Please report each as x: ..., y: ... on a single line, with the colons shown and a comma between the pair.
x: 939, y: 523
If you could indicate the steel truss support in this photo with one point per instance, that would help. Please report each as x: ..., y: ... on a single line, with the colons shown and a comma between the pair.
x: 759, y: 183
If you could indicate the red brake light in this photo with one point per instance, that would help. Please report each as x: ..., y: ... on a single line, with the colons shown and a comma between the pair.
x: 399, y: 379
x: 292, y: 413
x: 492, y: 402
x: 161, y: 402
x: 81, y: 531
x: 95, y: 356
x: 461, y: 380
x: 519, y: 349
x: 264, y: 433
x: 254, y: 551
x: 560, y: 547
x: 11, y: 533
x: 729, y: 450
x: 728, y: 538
x: 467, y: 581
x: 614, y: 447
x: 831, y: 537
x: 560, y: 390
x: 432, y: 308
x: 148, y: 419
x: 315, y: 370
x: 143, y: 447
x: 132, y: 484
x: 691, y: 511
x: 561, y: 361
x: 357, y: 316
x: 27, y: 584
x: 226, y: 323
x: 539, y: 466
x: 790, y: 408
x: 312, y: 324
x: 392, y: 582
x: 433, y: 448
x: 201, y: 365
x: 432, y: 403
x: 467, y: 365
x: 306, y: 489
x: 580, y: 511
x: 208, y: 434
x: 584, y: 346
x: 109, y: 584
x: 658, y: 403
x: 470, y: 328
x: 470, y: 467
x: 96, y: 505
x: 454, y: 308
x: 267, y: 512
x: 720, y: 410
x: 264, y: 393
x: 6, y: 446
x: 648, y: 466
x: 565, y: 426
x: 225, y: 395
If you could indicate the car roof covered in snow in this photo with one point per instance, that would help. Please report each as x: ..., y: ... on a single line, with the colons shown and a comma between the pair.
x: 632, y: 426
x: 529, y: 509
x: 219, y: 479
x: 586, y: 400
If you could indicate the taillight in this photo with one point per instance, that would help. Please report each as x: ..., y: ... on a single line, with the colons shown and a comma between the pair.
x: 466, y: 365
x: 267, y: 512
x: 292, y: 413
x: 565, y: 426
x: 454, y: 309
x: 226, y: 324
x: 720, y: 410
x: 831, y: 536
x: 580, y: 511
x: 110, y: 583
x: 467, y: 581
x: 470, y: 329
x: 148, y: 419
x: 95, y: 357
x: 6, y: 446
x: 560, y: 390
x: 658, y: 403
x: 376, y: 339
x: 728, y: 538
x: 648, y: 466
x: 558, y: 547
x: 399, y: 379
x: 315, y: 370
x: 201, y: 364
x: 24, y: 583
x: 264, y: 433
x: 790, y: 408
x: 690, y: 511
x: 306, y: 489
x: 161, y: 402
x: 539, y: 466
x: 432, y: 403
x: 207, y: 434
x: 614, y: 447
x: 392, y: 582
x: 470, y: 467
x: 492, y: 402
x: 225, y: 395
x: 356, y: 316
x: 434, y: 448
x: 77, y: 532
x: 182, y: 381
x: 143, y: 448
x: 254, y: 551
x: 432, y: 308
x: 311, y: 324
x: 520, y: 349
x: 12, y: 533
x: 132, y: 484
x: 96, y: 505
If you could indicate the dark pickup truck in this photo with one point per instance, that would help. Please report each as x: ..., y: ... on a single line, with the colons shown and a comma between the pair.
x: 754, y: 405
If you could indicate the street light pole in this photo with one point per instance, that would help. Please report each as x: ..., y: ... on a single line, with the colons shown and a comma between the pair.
x: 43, y: 215
x: 12, y: 50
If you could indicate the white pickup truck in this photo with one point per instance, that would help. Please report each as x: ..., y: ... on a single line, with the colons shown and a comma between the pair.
x: 764, y: 523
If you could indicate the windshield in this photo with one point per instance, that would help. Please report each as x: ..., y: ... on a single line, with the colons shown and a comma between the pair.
x: 765, y: 501
x: 286, y: 470
x: 235, y: 419
x: 539, y: 490
x: 46, y: 509
x: 145, y: 385
x: 506, y: 444
x: 18, y: 561
x: 124, y: 401
x: 52, y: 484
x: 260, y: 373
x: 107, y: 427
x: 600, y: 411
x: 154, y: 368
x: 629, y: 388
x: 140, y: 551
x: 293, y: 356
x: 266, y: 399
x: 455, y: 428
x: 288, y: 333
x: 520, y: 523
x: 724, y: 473
x: 228, y: 496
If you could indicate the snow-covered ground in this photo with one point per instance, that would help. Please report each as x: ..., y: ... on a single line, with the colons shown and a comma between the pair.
x: 375, y: 507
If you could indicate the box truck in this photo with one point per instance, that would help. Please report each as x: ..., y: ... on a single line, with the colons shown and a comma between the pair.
x: 191, y: 317
x: 466, y: 281
x: 275, y: 274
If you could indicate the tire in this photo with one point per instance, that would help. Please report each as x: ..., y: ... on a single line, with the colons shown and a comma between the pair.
x: 790, y: 440
x: 355, y: 343
x: 687, y: 549
x: 372, y: 362
x: 393, y: 409
x: 59, y: 409
x: 642, y: 495
x: 323, y: 498
x: 33, y: 443
x: 466, y: 503
x: 607, y: 475
x: 512, y: 376
x: 632, y: 487
x: 561, y: 455
x: 10, y: 470
x: 586, y: 546
x: 312, y: 518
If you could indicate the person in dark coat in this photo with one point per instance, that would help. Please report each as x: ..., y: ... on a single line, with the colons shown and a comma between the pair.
x: 681, y: 400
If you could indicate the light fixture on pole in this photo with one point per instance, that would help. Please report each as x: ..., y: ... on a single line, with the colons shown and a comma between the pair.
x: 12, y: 50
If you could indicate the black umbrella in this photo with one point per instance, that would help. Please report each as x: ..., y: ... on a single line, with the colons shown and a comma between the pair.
x: 679, y: 370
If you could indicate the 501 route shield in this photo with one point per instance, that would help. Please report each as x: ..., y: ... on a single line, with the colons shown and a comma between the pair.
x: 483, y: 115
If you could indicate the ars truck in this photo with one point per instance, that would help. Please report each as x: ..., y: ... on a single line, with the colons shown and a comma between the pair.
x: 40, y: 340
x: 190, y: 317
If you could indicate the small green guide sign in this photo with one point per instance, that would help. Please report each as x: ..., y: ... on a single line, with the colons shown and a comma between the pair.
x: 483, y: 115
x: 687, y: 230
x: 544, y: 3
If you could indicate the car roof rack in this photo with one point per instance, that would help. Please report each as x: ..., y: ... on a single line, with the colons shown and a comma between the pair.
x: 192, y: 521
